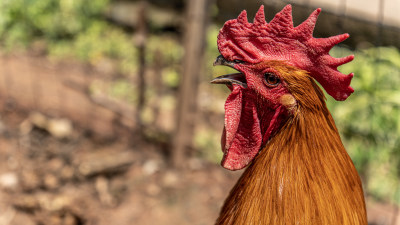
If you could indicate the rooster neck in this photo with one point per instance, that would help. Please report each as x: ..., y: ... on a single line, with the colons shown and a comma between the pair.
x: 302, y: 176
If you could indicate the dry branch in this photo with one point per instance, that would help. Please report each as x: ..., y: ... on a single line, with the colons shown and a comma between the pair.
x: 100, y: 163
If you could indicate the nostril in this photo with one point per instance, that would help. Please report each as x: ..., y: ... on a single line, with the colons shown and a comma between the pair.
x: 237, y: 61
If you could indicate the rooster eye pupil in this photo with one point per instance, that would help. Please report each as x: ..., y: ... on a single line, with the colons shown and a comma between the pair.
x: 271, y: 79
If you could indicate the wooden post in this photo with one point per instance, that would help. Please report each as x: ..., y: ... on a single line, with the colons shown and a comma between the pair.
x: 194, y: 44
x: 141, y: 45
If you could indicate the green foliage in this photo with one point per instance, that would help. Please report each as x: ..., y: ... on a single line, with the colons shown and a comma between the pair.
x: 170, y: 77
x: 24, y: 20
x: 69, y: 28
x: 122, y: 89
x: 208, y: 143
x: 369, y: 120
x: 167, y: 46
x: 167, y: 52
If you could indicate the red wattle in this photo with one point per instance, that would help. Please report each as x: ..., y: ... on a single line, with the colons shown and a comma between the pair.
x: 241, y: 139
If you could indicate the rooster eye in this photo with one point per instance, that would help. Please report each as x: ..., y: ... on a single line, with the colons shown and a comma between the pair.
x: 271, y: 79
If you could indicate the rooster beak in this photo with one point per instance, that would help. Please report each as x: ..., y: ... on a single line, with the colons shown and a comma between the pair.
x: 228, y: 79
x: 233, y: 78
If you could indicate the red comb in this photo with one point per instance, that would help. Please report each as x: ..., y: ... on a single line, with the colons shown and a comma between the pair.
x: 279, y: 40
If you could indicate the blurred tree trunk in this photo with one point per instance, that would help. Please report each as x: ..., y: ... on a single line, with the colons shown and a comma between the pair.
x: 194, y: 44
x: 141, y: 45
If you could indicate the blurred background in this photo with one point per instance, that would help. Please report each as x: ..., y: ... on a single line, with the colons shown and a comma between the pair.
x: 107, y: 115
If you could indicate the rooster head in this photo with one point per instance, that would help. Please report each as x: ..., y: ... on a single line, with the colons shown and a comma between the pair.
x: 276, y: 63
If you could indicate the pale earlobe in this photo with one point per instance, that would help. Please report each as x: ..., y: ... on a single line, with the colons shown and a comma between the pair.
x: 289, y: 102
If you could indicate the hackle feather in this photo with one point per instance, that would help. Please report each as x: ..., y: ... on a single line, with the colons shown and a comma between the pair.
x: 304, y: 174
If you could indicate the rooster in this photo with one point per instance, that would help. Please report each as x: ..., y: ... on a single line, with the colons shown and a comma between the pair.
x: 277, y: 123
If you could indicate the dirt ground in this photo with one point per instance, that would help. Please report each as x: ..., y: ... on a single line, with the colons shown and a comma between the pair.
x: 45, y: 180
x: 93, y: 168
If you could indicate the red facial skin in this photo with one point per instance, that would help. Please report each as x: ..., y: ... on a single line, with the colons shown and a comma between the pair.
x: 252, y: 115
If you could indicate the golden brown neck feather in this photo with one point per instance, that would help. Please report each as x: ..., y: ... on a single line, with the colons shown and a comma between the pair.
x: 303, y: 175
